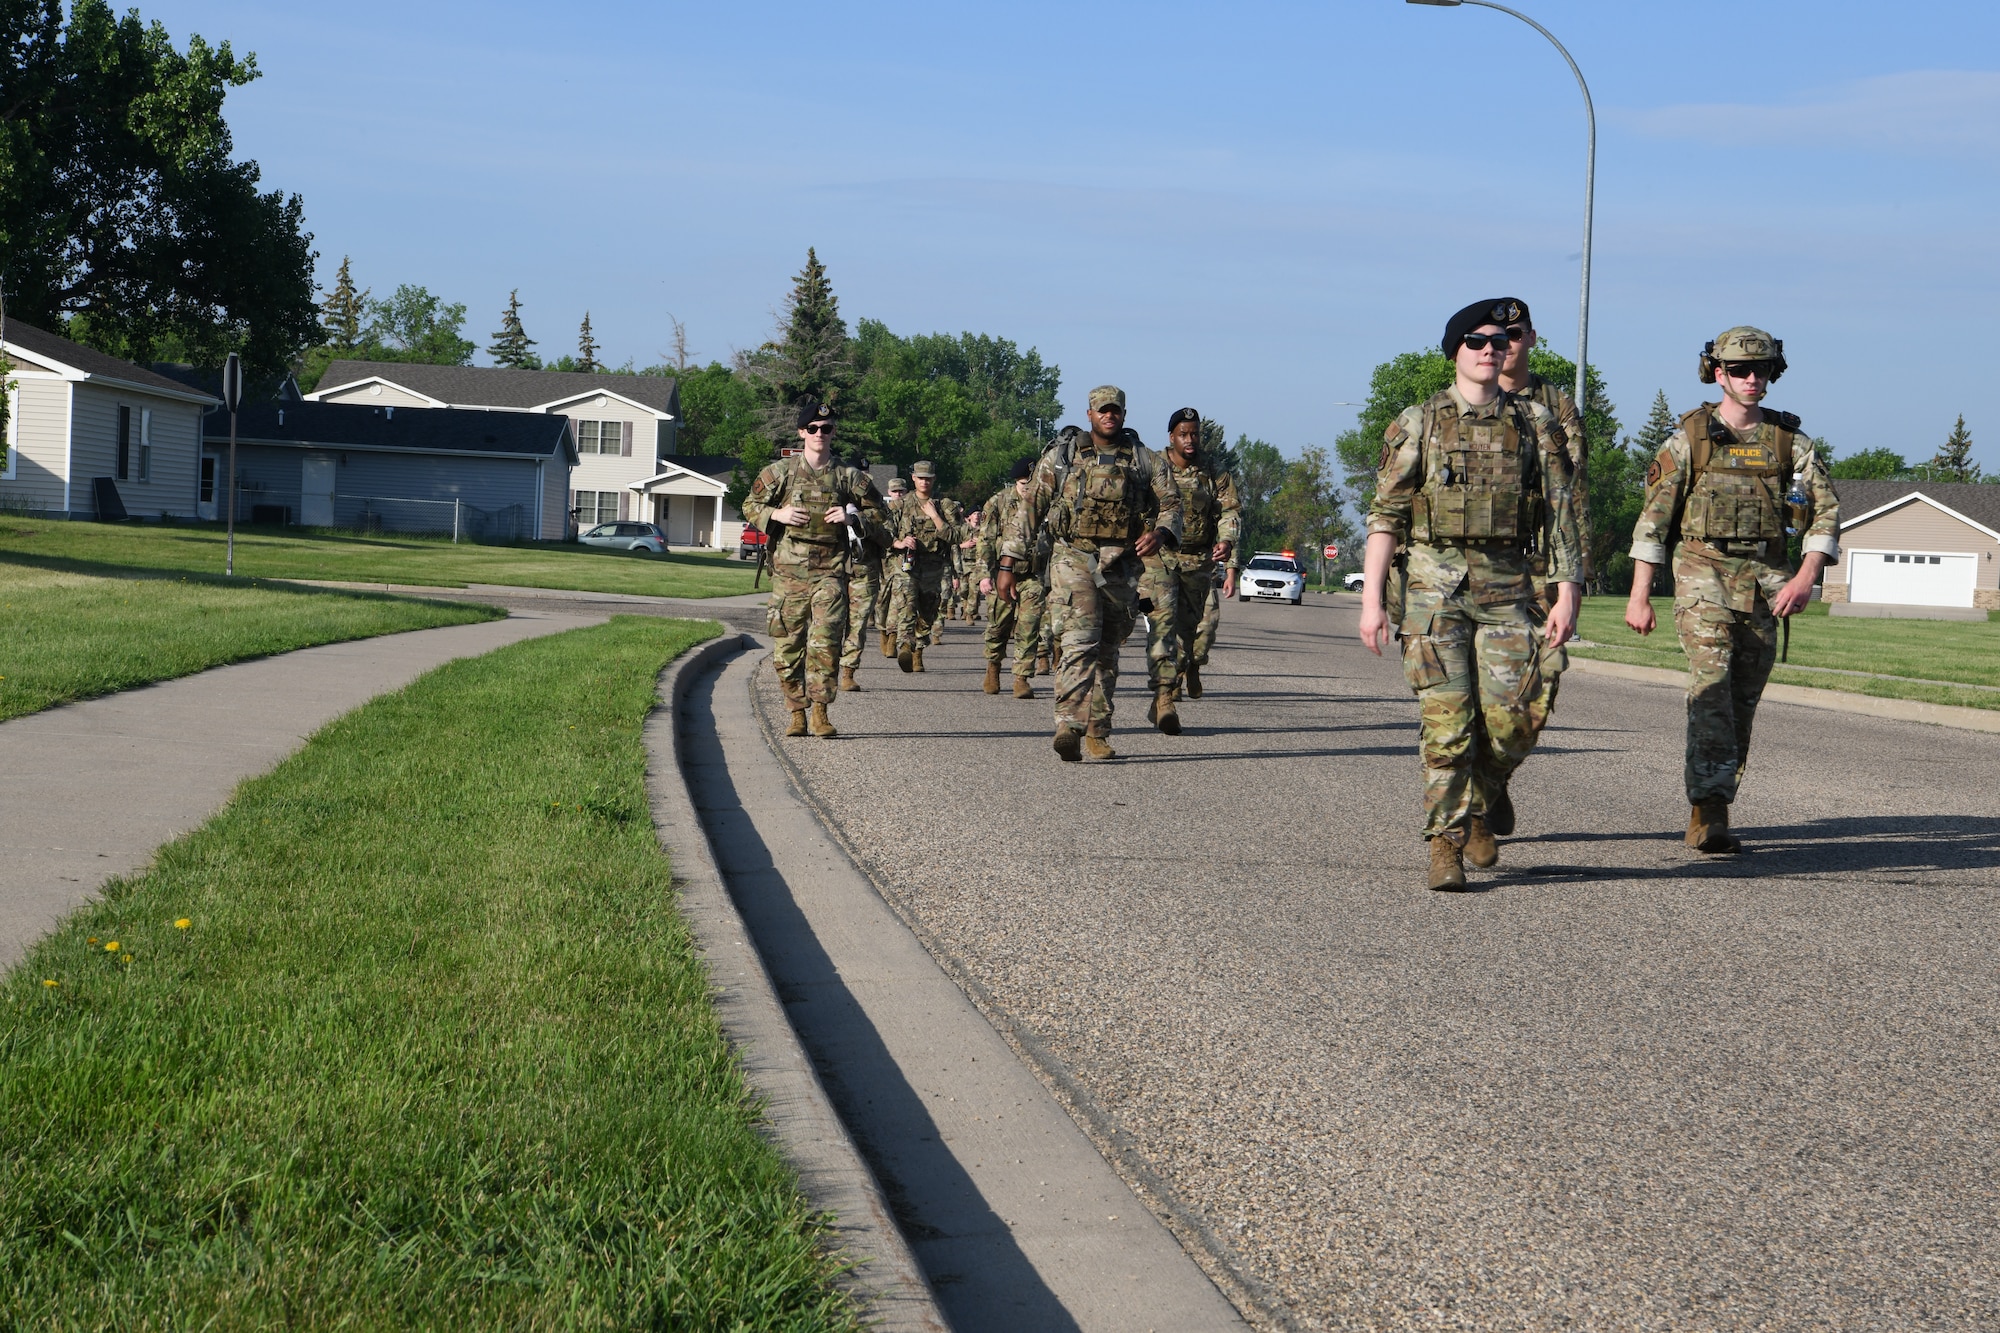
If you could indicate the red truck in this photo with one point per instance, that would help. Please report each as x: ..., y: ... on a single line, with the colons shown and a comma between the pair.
x: 752, y: 544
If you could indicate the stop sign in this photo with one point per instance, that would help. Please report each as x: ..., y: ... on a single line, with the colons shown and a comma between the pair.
x: 1332, y: 552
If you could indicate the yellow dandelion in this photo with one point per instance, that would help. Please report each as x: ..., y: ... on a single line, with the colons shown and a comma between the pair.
x: 112, y: 947
x: 50, y: 981
x: 91, y: 940
x: 182, y: 923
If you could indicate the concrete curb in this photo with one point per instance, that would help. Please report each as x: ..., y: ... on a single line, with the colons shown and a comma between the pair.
x: 1838, y: 701
x: 831, y: 1170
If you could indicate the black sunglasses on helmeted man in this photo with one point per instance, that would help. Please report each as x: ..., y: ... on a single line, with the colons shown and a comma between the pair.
x: 1743, y: 370
x: 1477, y: 341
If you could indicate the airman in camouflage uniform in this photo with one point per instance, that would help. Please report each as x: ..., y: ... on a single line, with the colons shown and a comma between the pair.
x: 1734, y: 481
x: 1222, y: 585
x: 864, y: 594
x: 812, y: 508
x: 1180, y: 582
x: 1021, y: 619
x: 886, y: 608
x: 1469, y: 482
x: 1109, y: 503
x: 925, y: 527
x: 965, y: 562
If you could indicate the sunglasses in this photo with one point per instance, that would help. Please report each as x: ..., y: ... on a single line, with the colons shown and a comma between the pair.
x: 818, y: 428
x: 1477, y: 341
x: 1743, y: 370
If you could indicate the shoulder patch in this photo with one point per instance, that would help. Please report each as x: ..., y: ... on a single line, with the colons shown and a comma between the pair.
x: 1653, y: 473
x: 1789, y: 420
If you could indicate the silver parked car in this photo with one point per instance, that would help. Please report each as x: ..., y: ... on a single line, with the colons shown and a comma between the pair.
x: 645, y: 538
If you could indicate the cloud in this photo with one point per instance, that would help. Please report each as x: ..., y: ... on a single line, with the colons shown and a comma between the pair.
x: 1950, y: 113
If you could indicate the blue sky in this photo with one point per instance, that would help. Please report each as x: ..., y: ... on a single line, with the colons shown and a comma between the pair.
x: 1242, y: 208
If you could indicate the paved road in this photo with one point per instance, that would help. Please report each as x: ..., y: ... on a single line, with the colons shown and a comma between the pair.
x: 1623, y: 1088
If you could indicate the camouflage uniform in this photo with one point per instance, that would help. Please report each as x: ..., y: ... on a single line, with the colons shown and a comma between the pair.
x: 809, y: 569
x: 1021, y: 619
x: 1723, y: 587
x: 920, y: 583
x: 1211, y: 613
x: 1458, y: 489
x: 1100, y: 504
x: 864, y: 591
x: 1181, y: 583
x: 1556, y: 398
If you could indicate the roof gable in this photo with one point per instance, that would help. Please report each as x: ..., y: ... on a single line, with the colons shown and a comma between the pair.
x: 500, y: 388
x: 314, y: 396
x: 1970, y: 502
x: 74, y: 361
x: 675, y: 472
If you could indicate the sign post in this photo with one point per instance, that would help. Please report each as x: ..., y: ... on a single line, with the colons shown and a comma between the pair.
x: 232, y: 398
x: 1328, y: 553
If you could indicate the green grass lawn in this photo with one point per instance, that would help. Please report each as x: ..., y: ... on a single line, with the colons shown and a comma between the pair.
x: 1924, y: 659
x: 294, y: 553
x: 433, y: 1049
x: 67, y: 636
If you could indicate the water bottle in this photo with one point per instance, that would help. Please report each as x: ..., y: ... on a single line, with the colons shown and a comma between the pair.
x: 1798, y: 507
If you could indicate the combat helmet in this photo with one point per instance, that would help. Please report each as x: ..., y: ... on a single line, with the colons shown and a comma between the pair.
x: 1742, y: 343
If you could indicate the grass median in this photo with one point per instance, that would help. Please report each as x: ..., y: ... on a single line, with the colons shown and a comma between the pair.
x: 1932, y: 661
x: 295, y: 553
x: 410, y: 1036
x: 66, y: 636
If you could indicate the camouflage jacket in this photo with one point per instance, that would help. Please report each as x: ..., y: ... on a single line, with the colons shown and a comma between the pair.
x: 1557, y: 400
x: 1701, y: 572
x: 1211, y: 510
x: 1043, y: 504
x: 910, y: 520
x: 790, y: 481
x: 1491, y: 572
x: 993, y: 520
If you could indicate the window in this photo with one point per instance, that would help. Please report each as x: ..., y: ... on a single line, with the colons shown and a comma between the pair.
x: 145, y: 444
x: 594, y: 507
x: 208, y: 479
x: 600, y: 437
x: 124, y: 469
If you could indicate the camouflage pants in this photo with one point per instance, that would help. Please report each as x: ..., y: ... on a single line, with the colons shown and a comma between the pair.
x: 1179, y: 591
x: 808, y: 618
x: 1019, y: 622
x: 1477, y: 674
x: 1090, y: 619
x: 1211, y: 617
x: 917, y: 602
x: 863, y: 592
x: 1730, y: 654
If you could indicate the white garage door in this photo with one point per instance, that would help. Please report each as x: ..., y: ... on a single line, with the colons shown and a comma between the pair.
x: 1911, y: 578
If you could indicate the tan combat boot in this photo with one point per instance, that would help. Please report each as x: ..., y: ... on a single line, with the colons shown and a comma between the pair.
x: 798, y: 726
x: 888, y: 644
x: 992, y: 685
x: 1099, y: 747
x: 906, y: 658
x: 1022, y: 689
x: 1192, y: 677
x: 1708, y: 828
x: 1480, y: 849
x: 822, y: 725
x: 847, y: 680
x: 1447, y: 865
x: 1068, y: 743
x: 917, y: 658
x: 1163, y: 714
x: 1042, y: 667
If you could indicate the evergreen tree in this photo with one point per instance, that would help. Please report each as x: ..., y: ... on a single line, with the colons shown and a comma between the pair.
x: 1660, y: 423
x: 586, y: 348
x: 811, y: 361
x: 341, y: 311
x: 511, y: 343
x: 1953, y: 461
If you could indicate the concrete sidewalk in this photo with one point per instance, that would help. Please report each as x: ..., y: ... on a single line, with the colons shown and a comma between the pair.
x: 89, y: 790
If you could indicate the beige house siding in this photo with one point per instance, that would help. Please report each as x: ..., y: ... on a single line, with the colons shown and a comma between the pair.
x: 614, y: 472
x: 175, y: 433
x: 42, y: 440
x: 377, y: 395
x: 1918, y: 526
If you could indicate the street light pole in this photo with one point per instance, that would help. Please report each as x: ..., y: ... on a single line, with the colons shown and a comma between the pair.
x: 1589, y: 179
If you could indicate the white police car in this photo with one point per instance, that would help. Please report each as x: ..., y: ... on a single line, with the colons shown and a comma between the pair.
x: 1272, y: 576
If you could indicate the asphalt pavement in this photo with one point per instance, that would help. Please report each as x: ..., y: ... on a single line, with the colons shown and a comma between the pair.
x: 1622, y: 1087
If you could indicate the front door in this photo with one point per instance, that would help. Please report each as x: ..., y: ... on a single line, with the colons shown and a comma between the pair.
x: 316, y: 491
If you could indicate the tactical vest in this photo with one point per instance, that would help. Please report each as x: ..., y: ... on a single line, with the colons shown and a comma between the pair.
x: 1200, y: 510
x: 815, y: 493
x: 1478, y: 484
x: 937, y: 542
x: 1736, y: 491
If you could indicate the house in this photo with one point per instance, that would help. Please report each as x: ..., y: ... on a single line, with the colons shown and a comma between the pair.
x: 685, y: 497
x: 83, y: 427
x: 472, y: 473
x: 1917, y: 544
x: 622, y: 424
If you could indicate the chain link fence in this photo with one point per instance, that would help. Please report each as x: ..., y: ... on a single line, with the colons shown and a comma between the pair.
x: 455, y: 519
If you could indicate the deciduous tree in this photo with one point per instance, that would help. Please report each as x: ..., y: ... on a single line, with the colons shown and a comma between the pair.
x: 413, y: 325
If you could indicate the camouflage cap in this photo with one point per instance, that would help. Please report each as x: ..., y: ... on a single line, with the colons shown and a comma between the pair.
x: 1742, y: 343
x: 923, y: 471
x: 1106, y: 395
x: 897, y: 484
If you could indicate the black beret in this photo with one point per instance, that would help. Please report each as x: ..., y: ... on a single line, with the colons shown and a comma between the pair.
x: 813, y: 410
x: 1023, y: 469
x: 1185, y: 414
x: 1503, y: 310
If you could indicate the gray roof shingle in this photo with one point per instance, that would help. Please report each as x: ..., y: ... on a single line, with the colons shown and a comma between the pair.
x: 407, y: 429
x: 1979, y: 502
x: 96, y: 364
x: 492, y: 386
